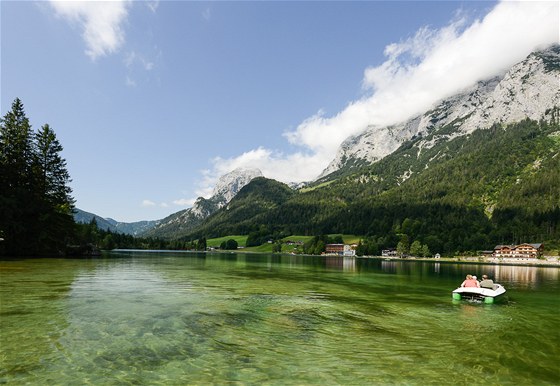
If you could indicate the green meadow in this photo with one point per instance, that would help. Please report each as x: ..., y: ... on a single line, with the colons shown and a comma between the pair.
x: 267, y: 247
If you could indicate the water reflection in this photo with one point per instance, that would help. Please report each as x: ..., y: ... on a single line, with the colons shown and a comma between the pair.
x: 452, y: 273
x: 389, y: 266
x: 530, y: 277
x: 341, y: 263
x: 512, y: 276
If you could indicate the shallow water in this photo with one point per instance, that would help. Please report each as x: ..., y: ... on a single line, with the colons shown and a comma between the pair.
x: 184, y: 318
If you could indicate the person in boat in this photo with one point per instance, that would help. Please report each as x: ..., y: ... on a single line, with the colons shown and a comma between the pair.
x: 470, y: 282
x: 486, y: 283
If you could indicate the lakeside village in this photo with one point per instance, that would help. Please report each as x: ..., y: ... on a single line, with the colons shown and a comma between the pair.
x: 514, y: 254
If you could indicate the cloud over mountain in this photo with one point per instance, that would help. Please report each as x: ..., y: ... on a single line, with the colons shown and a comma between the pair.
x: 417, y: 72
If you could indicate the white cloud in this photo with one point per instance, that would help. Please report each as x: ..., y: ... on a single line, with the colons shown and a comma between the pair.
x: 417, y: 72
x: 100, y: 21
x: 434, y: 64
x: 282, y: 167
x: 148, y: 203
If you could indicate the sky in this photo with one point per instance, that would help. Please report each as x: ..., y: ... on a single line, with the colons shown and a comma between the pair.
x: 154, y: 100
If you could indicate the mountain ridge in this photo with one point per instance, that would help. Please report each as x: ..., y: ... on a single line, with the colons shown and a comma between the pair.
x: 527, y: 90
x: 131, y: 228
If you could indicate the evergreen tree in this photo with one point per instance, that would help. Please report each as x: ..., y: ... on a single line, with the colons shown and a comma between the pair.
x: 54, y: 178
x: 35, y: 202
x: 201, y: 244
x: 17, y: 215
x: 56, y: 219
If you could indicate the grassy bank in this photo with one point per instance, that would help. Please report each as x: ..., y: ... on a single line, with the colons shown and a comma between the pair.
x: 296, y: 247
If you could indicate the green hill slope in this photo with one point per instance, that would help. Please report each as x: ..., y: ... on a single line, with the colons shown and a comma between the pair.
x: 496, y: 185
x: 247, y: 210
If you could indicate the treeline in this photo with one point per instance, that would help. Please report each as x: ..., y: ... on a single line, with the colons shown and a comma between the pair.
x: 89, y: 238
x: 35, y: 199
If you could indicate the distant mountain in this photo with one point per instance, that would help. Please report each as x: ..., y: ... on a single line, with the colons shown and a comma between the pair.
x: 81, y: 216
x: 530, y: 89
x: 133, y: 228
x: 184, y: 221
x: 259, y: 197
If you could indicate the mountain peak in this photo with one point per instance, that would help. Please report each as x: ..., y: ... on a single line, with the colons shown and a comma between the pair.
x: 529, y: 89
x: 229, y: 184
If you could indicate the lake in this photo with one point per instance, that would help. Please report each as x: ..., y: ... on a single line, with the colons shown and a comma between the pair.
x: 185, y: 318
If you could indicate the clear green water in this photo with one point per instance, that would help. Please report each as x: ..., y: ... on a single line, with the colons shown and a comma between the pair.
x: 178, y: 318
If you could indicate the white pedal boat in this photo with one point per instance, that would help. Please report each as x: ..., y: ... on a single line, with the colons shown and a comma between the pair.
x: 487, y: 295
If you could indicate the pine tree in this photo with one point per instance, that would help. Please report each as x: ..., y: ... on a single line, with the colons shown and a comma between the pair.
x: 17, y: 213
x: 53, y: 192
x: 35, y: 202
x: 53, y: 176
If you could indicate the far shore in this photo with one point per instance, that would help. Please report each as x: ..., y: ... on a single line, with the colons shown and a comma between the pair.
x: 547, y: 261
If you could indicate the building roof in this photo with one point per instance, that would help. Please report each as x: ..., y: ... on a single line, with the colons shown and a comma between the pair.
x: 536, y: 246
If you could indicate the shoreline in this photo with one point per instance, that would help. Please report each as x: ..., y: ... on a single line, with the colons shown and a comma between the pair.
x: 549, y: 261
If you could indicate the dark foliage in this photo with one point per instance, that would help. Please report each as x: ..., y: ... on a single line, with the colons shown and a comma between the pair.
x: 35, y: 199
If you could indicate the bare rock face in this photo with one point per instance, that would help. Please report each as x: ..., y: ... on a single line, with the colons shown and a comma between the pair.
x: 530, y: 89
x: 231, y: 183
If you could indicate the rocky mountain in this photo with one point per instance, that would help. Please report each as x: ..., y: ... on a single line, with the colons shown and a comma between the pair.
x: 183, y: 221
x: 130, y: 228
x: 258, y: 198
x: 231, y: 183
x: 530, y: 89
x: 496, y: 185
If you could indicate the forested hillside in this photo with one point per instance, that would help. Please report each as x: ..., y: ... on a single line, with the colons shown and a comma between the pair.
x: 496, y: 185
x: 248, y: 210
